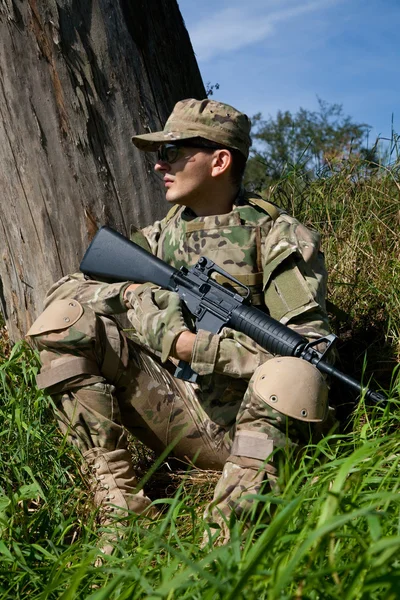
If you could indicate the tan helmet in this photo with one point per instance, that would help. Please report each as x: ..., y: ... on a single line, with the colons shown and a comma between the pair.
x: 293, y: 387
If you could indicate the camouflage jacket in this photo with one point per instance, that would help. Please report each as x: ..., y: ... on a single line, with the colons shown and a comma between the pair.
x: 279, y: 259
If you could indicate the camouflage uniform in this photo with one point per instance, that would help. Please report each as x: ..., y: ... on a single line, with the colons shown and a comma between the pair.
x: 124, y: 381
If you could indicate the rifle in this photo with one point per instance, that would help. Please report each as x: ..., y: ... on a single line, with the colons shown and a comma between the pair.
x: 112, y: 257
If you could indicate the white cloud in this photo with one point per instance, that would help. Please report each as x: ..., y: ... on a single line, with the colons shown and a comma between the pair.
x: 246, y: 23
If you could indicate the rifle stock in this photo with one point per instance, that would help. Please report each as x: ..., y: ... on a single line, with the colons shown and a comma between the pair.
x: 112, y: 257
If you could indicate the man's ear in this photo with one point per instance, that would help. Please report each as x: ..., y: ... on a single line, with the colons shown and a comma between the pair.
x: 221, y: 162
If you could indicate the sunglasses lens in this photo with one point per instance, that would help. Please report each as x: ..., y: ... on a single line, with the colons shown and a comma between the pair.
x: 168, y: 153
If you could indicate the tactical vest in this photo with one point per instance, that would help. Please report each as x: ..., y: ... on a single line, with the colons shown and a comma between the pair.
x: 233, y: 241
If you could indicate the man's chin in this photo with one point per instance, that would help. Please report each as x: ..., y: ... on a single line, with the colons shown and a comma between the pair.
x: 173, y: 199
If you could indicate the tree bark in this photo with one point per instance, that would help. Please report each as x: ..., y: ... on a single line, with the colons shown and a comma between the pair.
x: 77, y: 79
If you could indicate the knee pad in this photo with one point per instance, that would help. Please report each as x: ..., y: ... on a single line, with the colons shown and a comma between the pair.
x: 75, y: 341
x: 293, y: 387
x: 64, y: 324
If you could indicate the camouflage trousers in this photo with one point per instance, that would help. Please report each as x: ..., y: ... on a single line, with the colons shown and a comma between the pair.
x: 105, y: 384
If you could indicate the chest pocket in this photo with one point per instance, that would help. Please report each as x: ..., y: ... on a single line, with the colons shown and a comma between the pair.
x: 232, y: 244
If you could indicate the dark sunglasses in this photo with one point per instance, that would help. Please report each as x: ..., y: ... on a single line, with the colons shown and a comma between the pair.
x: 170, y: 152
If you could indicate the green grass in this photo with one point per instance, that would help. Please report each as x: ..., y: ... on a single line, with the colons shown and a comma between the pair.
x: 335, y: 530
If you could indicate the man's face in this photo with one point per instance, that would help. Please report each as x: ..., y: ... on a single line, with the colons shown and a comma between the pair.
x: 186, y: 174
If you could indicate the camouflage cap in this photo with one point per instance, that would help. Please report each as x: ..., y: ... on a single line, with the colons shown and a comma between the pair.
x: 208, y: 119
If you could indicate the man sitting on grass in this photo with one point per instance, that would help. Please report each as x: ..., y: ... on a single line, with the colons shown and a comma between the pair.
x: 106, y: 382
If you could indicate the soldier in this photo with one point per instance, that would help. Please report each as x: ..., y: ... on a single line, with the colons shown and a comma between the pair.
x: 106, y: 381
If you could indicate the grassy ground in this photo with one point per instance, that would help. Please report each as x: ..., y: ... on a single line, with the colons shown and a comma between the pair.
x: 335, y: 530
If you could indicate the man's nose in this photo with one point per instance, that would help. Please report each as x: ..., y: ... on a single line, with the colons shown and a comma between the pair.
x: 162, y: 165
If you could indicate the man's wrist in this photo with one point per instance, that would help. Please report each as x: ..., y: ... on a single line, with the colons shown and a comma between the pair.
x: 183, y: 346
x: 131, y: 288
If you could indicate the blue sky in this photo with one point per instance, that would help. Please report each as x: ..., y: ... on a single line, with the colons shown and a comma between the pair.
x: 270, y: 55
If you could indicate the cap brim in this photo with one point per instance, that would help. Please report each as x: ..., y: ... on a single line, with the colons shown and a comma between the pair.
x: 150, y: 142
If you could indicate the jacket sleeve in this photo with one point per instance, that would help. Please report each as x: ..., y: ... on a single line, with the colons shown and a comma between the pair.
x: 103, y: 298
x: 228, y: 353
x: 295, y: 277
x: 152, y: 234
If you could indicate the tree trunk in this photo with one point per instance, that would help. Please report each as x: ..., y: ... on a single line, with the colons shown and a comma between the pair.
x: 77, y: 79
